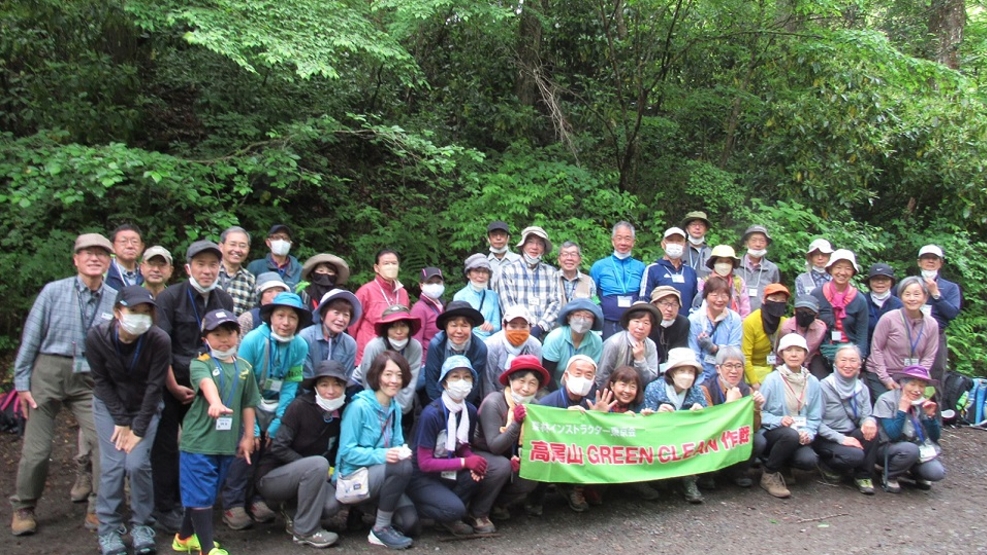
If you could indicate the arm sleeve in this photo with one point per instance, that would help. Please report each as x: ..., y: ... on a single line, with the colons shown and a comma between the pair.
x: 814, y: 411
x: 930, y: 343
x: 893, y: 426
x: 949, y: 303
x: 499, y: 443
x: 160, y: 360
x: 433, y: 367
x: 875, y: 361
x: 103, y: 383
x: 281, y: 447
x: 35, y: 329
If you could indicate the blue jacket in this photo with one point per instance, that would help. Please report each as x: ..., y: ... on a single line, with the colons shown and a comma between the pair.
x: 947, y: 306
x: 292, y: 274
x: 362, y: 433
x: 728, y: 331
x: 775, y: 408
x: 615, y: 278
x: 662, y: 272
x: 343, y: 350
x: 487, y: 302
x: 477, y: 353
x: 281, y: 362
x: 656, y: 395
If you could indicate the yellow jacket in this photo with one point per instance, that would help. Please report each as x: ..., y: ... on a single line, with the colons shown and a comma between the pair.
x: 757, y: 345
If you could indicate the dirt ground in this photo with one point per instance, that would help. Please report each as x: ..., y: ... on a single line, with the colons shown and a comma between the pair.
x: 819, y: 518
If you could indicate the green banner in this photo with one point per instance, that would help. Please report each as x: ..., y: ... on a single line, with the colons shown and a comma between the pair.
x: 592, y: 447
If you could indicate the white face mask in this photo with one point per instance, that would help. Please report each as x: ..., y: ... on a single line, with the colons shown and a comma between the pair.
x: 674, y: 251
x: 201, y: 289
x: 501, y: 250
x: 522, y: 400
x: 696, y: 241
x: 881, y: 296
x: 819, y: 269
x: 580, y: 325
x: 280, y: 247
x: 478, y: 287
x: 531, y: 260
x: 329, y: 405
x: 929, y: 274
x: 621, y: 255
x: 918, y: 402
x: 281, y: 338
x: 135, y: 324
x: 683, y: 380
x: 723, y: 268
x: 578, y: 386
x: 757, y: 253
x: 458, y: 389
x: 433, y: 290
x: 389, y: 271
x: 667, y: 323
x: 221, y: 355
x: 398, y: 343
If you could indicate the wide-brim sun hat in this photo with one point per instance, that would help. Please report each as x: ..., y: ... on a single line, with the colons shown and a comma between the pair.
x: 287, y: 300
x: 756, y: 229
x: 915, y: 372
x: 459, y: 308
x: 355, y: 312
x: 683, y: 357
x: 537, y: 231
x: 843, y: 254
x: 722, y: 251
x: 696, y: 215
x: 326, y: 369
x: 641, y: 306
x: 522, y: 363
x: 454, y: 362
x: 396, y: 313
x: 582, y: 304
x: 820, y: 245
x: 792, y: 340
x: 342, y: 268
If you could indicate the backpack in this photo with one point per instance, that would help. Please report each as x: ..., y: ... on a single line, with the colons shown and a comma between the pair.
x: 976, y: 399
x: 955, y: 394
x: 11, y: 418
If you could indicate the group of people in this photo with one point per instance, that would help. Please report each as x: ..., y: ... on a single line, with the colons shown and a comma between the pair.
x: 272, y: 387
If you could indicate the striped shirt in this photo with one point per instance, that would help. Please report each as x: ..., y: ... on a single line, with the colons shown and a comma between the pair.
x: 240, y: 286
x: 536, y: 289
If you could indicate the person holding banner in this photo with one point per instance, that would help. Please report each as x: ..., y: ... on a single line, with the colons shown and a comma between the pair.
x: 714, y: 324
x: 909, y: 431
x: 498, y: 434
x: 846, y: 441
x: 632, y: 347
x: 450, y: 481
x: 790, y: 419
x: 728, y: 386
x: 678, y: 389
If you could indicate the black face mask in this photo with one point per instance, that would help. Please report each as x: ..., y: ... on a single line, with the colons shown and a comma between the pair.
x: 323, y: 280
x: 804, y: 319
x: 775, y: 309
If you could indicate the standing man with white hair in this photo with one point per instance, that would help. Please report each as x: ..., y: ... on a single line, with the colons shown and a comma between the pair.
x: 618, y: 278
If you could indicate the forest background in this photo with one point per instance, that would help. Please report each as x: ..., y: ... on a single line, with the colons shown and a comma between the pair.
x: 413, y: 123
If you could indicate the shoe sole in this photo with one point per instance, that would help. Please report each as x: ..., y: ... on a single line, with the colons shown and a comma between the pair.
x: 23, y: 533
x: 374, y: 540
x: 310, y: 543
x: 237, y: 527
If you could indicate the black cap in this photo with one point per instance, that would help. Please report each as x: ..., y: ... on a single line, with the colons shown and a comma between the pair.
x: 430, y: 272
x: 279, y: 227
x: 200, y: 247
x: 326, y: 368
x: 133, y: 295
x: 217, y: 318
x: 498, y: 225
x: 880, y: 269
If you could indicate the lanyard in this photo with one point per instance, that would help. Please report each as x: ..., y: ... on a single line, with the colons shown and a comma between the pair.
x: 852, y: 401
x: 757, y: 283
x: 222, y: 379
x: 483, y: 299
x: 692, y: 261
x: 530, y: 279
x: 276, y: 368
x: 137, y: 350
x: 917, y: 424
x: 908, y: 331
x: 195, y: 309
x: 386, y: 298
x: 82, y: 312
x: 121, y: 273
x: 327, y: 349
x: 800, y: 399
x: 385, y: 428
x: 623, y: 274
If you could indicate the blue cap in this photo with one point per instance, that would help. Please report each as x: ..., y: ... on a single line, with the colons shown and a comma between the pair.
x: 217, y: 318
x: 454, y: 362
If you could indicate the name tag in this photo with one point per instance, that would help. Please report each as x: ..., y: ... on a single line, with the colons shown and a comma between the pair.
x: 535, y: 300
x: 836, y: 336
x: 927, y: 452
x: 771, y: 359
x: 927, y: 309
x: 752, y: 292
x: 272, y: 385
x: 709, y: 359
x: 80, y: 365
x: 678, y: 278
x: 449, y: 475
x: 624, y: 301
x: 909, y: 361
x: 106, y: 316
x: 224, y: 423
x: 798, y: 422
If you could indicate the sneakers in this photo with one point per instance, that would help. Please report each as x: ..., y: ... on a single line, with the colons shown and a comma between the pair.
x: 692, y: 493
x: 289, y: 523
x: 534, y: 508
x: 774, y: 484
x: 891, y: 485
x: 190, y: 544
x: 864, y: 485
x: 457, y: 528
x: 237, y: 518
x: 924, y: 485
x: 321, y: 538
x: 82, y: 487
x: 23, y: 523
x: 143, y: 540
x: 92, y: 521
x: 218, y: 551
x: 111, y: 544
x: 593, y: 496
x: 828, y: 474
x: 500, y: 512
x: 643, y: 491
x: 389, y: 538
x: 261, y: 512
x: 170, y: 522
x: 577, y: 501
x: 742, y: 481
x: 482, y: 525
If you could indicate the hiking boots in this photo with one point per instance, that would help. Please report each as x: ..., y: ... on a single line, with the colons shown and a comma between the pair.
x: 774, y: 484
x: 23, y: 523
x: 111, y: 544
x: 82, y: 487
x: 692, y: 493
x: 864, y: 485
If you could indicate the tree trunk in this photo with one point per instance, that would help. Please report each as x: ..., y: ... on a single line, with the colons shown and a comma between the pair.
x: 528, y: 53
x: 946, y: 21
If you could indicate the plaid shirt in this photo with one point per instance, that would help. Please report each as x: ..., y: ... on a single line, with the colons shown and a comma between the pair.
x: 58, y: 322
x: 537, y: 290
x: 240, y: 286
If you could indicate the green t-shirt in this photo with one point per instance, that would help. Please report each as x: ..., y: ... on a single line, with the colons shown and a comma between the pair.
x: 237, y: 388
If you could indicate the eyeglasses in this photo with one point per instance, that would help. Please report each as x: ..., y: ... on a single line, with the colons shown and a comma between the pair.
x: 732, y: 366
x: 569, y: 255
x: 93, y: 253
x: 720, y: 296
x: 667, y: 304
x: 124, y: 241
